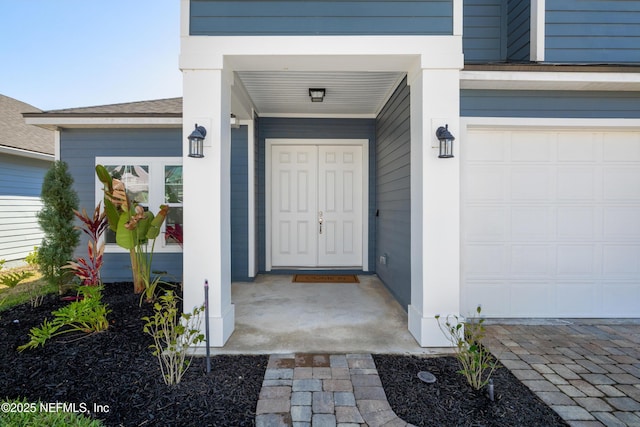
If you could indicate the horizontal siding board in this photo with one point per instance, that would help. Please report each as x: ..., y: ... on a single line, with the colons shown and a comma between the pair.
x: 393, y: 194
x: 596, y: 31
x: 328, y: 17
x: 19, y: 228
x: 80, y: 147
x: 553, y: 104
x: 21, y: 176
x: 484, y: 31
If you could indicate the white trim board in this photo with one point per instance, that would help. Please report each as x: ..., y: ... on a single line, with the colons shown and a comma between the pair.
x: 269, y: 142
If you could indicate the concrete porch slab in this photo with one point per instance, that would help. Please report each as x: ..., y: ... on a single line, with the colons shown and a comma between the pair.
x: 274, y: 315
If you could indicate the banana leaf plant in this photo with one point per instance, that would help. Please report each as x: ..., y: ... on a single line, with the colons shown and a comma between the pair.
x: 134, y: 227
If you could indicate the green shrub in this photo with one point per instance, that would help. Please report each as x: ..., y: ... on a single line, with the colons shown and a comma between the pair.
x: 57, y: 222
x: 22, y: 413
x: 2, y: 262
x: 476, y: 362
x: 173, y: 333
x: 32, y: 257
x: 87, y: 314
x: 12, y: 279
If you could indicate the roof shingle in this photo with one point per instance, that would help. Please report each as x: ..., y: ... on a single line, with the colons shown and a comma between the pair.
x: 15, y: 133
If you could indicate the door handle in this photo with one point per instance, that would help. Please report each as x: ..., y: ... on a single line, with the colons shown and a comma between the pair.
x: 320, y: 220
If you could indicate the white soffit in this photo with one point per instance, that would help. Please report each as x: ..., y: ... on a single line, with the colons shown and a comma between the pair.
x: 348, y: 93
x: 519, y: 80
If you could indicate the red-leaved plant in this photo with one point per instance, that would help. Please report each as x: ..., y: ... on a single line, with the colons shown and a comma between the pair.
x: 88, y: 270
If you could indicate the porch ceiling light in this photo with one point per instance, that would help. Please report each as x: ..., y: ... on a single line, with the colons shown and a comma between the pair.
x: 196, y: 140
x: 446, y: 142
x: 317, y: 94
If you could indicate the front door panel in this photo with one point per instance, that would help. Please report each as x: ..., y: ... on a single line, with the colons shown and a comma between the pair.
x: 316, y: 206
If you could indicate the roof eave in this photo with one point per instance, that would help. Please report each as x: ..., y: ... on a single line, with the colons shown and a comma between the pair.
x: 26, y: 153
x: 92, y: 120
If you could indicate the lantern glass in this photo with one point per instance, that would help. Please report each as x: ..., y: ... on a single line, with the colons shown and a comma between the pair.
x: 446, y: 142
x: 196, y: 142
x: 196, y: 147
x: 446, y: 148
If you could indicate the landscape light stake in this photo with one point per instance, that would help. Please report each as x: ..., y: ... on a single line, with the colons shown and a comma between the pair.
x: 206, y: 322
x: 490, y: 389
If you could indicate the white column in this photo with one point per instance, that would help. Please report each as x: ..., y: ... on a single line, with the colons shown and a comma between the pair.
x: 435, y: 205
x: 207, y: 223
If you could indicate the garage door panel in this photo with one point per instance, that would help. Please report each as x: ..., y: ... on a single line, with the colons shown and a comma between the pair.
x: 578, y: 223
x: 621, y: 299
x: 531, y: 223
x: 621, y: 147
x: 578, y: 147
x: 577, y: 183
x: 576, y: 260
x: 530, y: 183
x: 576, y: 298
x: 486, y: 223
x: 487, y: 148
x: 532, y: 260
x: 622, y: 223
x: 488, y: 183
x: 530, y: 299
x: 493, y: 297
x: 531, y: 147
x: 482, y: 260
x: 621, y: 260
x: 622, y: 183
x: 551, y: 224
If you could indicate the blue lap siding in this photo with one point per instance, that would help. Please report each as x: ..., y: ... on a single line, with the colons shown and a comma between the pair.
x: 320, y: 17
x: 80, y: 147
x: 393, y: 194
x: 594, y: 31
x: 552, y: 104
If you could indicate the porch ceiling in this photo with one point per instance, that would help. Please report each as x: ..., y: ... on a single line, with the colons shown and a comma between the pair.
x: 348, y: 93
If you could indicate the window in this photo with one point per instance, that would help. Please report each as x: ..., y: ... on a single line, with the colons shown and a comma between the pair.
x: 150, y: 182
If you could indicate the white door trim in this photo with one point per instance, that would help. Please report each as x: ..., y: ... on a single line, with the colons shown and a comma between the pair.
x: 364, y: 143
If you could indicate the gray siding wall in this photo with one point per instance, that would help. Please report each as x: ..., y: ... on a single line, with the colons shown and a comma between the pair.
x: 239, y: 204
x: 393, y: 193
x: 594, y: 31
x: 518, y: 30
x: 20, y: 187
x: 314, y: 128
x: 80, y: 147
x: 484, y: 31
x: 558, y: 104
x: 321, y: 17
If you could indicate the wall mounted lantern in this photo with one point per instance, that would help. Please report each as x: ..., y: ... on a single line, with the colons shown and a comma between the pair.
x: 446, y: 142
x: 317, y: 94
x: 196, y: 140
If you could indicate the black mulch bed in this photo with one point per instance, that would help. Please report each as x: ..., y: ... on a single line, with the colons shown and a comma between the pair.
x: 451, y: 402
x: 116, y: 368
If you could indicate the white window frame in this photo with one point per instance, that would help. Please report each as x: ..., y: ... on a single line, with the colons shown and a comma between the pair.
x: 156, y: 193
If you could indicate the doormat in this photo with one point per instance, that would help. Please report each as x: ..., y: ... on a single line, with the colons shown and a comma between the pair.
x: 325, y: 278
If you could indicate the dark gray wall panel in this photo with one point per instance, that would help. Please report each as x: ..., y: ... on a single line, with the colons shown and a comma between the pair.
x: 320, y: 17
x: 484, y: 31
x: 559, y: 104
x: 270, y: 127
x: 80, y: 147
x: 393, y: 193
x: 518, y: 30
x: 239, y: 204
x: 594, y: 31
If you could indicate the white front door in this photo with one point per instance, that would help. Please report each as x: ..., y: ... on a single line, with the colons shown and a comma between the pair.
x: 316, y: 207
